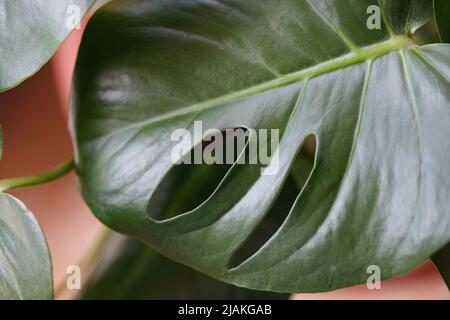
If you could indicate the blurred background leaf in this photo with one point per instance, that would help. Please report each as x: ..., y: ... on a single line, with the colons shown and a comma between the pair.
x: 442, y: 17
x: 442, y: 261
x: 131, y: 270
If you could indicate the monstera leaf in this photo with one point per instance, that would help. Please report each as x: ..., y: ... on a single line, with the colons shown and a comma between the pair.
x: 377, y: 105
x: 25, y: 266
x: 442, y: 16
x: 30, y: 33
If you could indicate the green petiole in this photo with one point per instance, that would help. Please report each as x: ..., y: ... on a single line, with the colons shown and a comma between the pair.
x: 21, y: 182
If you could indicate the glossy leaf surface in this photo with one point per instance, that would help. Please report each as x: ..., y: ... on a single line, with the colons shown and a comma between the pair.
x: 25, y: 265
x: 378, y: 105
x: 131, y: 270
x: 30, y: 33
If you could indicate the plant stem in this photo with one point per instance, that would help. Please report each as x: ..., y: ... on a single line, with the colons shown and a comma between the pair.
x: 20, y: 182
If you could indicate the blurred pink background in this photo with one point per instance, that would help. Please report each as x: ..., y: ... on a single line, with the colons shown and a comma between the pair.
x: 34, y: 120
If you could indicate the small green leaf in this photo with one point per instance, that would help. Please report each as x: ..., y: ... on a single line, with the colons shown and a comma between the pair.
x: 442, y: 18
x: 25, y: 265
x: 30, y: 33
x: 442, y: 261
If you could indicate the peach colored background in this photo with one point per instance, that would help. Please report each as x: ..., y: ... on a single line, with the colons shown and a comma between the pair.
x: 34, y: 119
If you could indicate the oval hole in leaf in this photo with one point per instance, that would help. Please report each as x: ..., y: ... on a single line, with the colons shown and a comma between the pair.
x: 188, y: 185
x: 300, y: 171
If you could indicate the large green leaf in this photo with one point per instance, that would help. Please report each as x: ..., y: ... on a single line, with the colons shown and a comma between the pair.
x: 30, y: 32
x: 442, y: 17
x: 378, y: 105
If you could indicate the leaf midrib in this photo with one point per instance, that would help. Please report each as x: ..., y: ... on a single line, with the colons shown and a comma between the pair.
x: 364, y: 54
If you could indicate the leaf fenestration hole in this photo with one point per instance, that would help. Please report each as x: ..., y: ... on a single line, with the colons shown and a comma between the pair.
x: 188, y: 185
x: 299, y: 173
